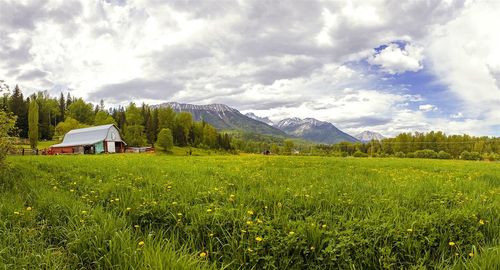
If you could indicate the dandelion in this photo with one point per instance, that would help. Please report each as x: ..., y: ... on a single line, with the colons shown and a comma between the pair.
x: 84, y: 212
x: 250, y: 212
x: 71, y: 190
x: 203, y: 254
x: 451, y: 244
x: 211, y: 234
x: 16, y: 213
x: 409, y: 230
x: 249, y: 222
x: 291, y: 233
x: 258, y: 239
x: 481, y: 222
x: 136, y: 226
x: 179, y: 214
x: 141, y: 243
x: 28, y: 208
x: 209, y: 210
x: 471, y: 254
x: 323, y: 226
x: 128, y: 208
x: 312, y: 248
x: 174, y: 203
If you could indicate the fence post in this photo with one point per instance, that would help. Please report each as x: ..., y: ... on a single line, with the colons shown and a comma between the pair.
x: 23, y: 152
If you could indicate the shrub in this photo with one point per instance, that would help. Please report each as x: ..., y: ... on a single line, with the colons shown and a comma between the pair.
x: 491, y: 156
x: 359, y: 154
x: 466, y: 155
x: 165, y: 140
x: 400, y: 155
x: 410, y: 155
x: 7, y: 123
x: 426, y: 153
x: 443, y: 155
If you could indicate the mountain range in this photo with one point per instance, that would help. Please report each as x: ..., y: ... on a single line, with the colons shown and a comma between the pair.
x: 368, y: 136
x: 223, y: 117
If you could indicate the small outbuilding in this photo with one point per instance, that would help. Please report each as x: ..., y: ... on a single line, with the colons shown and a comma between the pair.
x: 91, y: 140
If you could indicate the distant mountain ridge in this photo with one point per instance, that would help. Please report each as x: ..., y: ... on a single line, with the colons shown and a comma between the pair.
x: 368, y: 136
x: 314, y: 130
x: 258, y: 118
x: 223, y: 117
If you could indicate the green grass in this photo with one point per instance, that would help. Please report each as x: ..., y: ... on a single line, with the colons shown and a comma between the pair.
x: 250, y: 212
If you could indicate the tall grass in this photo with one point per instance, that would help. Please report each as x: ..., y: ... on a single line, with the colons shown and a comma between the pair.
x: 164, y: 212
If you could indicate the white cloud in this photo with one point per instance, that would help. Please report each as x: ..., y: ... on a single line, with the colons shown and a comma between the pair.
x: 395, y: 60
x: 281, y: 60
x: 427, y: 107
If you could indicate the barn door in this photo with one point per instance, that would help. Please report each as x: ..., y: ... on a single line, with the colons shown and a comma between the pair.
x: 111, y: 147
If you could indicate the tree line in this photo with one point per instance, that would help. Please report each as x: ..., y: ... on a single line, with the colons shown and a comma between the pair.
x: 420, y: 145
x: 41, y: 116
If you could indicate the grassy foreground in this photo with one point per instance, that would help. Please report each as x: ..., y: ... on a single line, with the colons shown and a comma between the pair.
x: 274, y: 212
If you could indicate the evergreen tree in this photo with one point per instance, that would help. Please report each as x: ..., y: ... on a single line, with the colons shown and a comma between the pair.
x: 69, y: 100
x: 62, y: 108
x: 33, y: 123
x: 20, y: 109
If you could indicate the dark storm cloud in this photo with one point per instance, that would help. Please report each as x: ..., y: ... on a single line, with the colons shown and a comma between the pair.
x: 136, y: 89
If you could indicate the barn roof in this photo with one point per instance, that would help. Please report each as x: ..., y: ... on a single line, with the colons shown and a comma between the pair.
x: 85, y: 136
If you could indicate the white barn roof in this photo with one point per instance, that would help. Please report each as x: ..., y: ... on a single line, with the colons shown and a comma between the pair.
x: 85, y: 136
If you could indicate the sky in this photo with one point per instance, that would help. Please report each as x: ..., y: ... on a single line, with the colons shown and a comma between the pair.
x: 388, y: 66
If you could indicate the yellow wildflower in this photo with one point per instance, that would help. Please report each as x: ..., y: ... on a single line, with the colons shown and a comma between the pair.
x: 16, y: 213
x: 258, y: 239
x: 209, y: 210
x: 128, y: 208
x: 28, y: 208
x: 451, y: 243
x: 250, y: 212
x: 323, y: 226
x: 84, y: 212
x: 249, y: 222
x: 203, y: 254
x: 471, y: 254
x: 141, y: 243
x: 481, y: 222
x: 136, y: 226
x: 291, y: 233
x: 409, y: 230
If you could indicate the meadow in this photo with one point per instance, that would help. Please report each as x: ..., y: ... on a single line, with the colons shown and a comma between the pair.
x: 148, y: 211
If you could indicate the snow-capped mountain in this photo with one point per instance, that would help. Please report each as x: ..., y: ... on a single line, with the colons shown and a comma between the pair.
x: 367, y: 136
x: 314, y: 130
x: 223, y: 117
x: 258, y: 118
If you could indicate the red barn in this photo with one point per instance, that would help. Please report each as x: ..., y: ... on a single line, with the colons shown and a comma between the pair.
x: 91, y: 140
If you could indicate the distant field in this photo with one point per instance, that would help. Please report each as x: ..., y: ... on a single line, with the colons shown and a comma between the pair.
x: 145, y: 211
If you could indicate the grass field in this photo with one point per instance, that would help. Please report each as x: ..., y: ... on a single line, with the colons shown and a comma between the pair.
x: 252, y: 212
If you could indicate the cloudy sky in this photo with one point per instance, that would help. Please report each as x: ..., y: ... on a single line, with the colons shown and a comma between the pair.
x: 381, y: 65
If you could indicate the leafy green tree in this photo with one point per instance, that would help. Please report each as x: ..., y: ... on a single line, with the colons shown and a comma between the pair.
x: 166, y: 118
x: 209, y: 136
x: 7, y: 124
x: 165, y: 140
x: 183, y: 123
x: 288, y: 147
x: 81, y: 111
x: 33, y: 123
x: 134, y: 130
x: 103, y: 118
x: 69, y: 124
